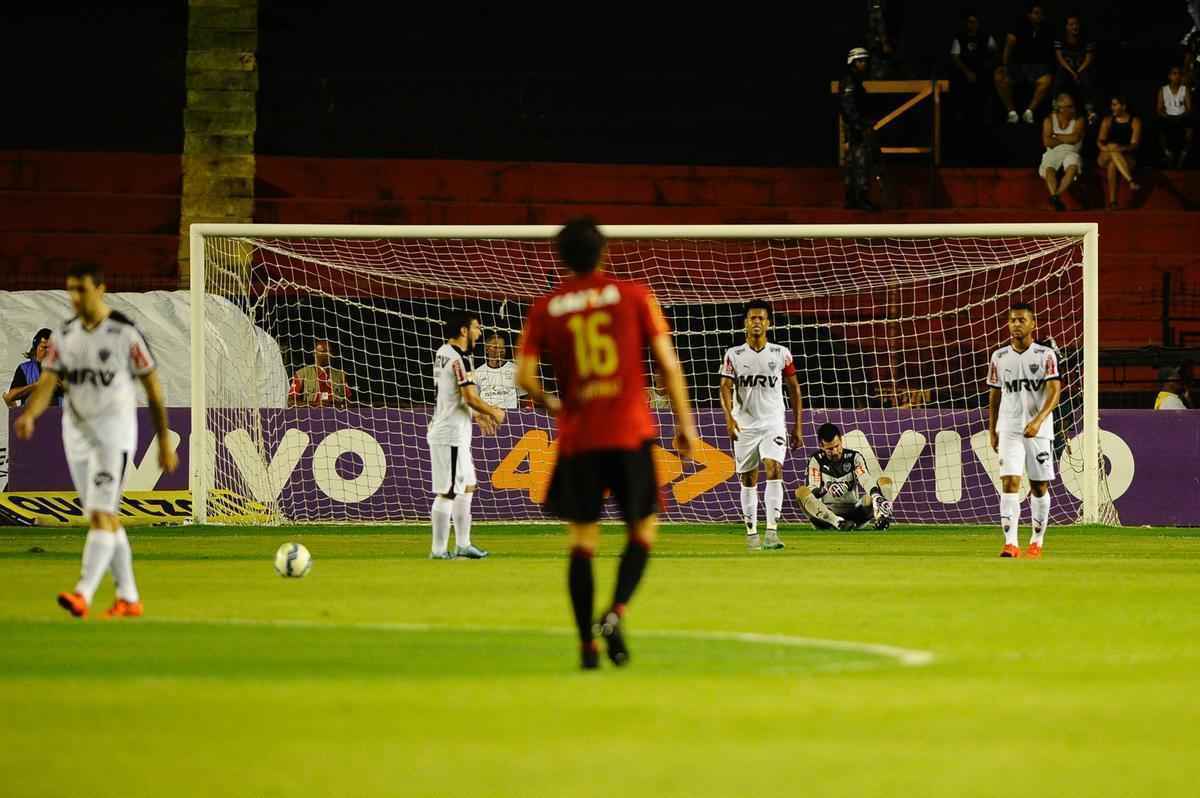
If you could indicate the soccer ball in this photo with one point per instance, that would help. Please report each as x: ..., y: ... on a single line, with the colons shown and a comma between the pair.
x: 292, y: 559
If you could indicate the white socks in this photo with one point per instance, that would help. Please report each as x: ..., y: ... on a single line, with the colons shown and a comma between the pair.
x: 97, y: 554
x: 1010, y: 517
x: 122, y: 568
x: 462, y: 519
x: 750, y: 509
x: 441, y: 524
x: 1039, y: 508
x: 774, y: 499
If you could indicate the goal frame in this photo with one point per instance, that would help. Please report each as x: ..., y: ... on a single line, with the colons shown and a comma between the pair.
x: 1089, y: 231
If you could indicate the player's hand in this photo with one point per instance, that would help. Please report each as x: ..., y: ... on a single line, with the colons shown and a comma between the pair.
x: 498, y: 415
x: 794, y: 440
x: 685, y: 442
x: 734, y: 429
x: 836, y: 488
x: 487, y: 424
x: 995, y: 436
x: 24, y: 426
x: 1032, y: 428
x: 167, y: 459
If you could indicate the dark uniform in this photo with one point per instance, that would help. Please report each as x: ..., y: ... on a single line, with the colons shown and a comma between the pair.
x: 840, y: 485
x: 862, y: 158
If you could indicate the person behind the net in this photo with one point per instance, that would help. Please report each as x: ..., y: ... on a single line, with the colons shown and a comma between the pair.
x: 753, y: 376
x: 26, y: 377
x: 449, y: 438
x: 97, y: 355
x: 1024, y: 386
x: 496, y: 378
x: 593, y: 330
x: 841, y: 492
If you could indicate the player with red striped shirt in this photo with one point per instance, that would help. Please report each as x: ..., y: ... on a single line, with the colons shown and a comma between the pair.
x: 594, y: 330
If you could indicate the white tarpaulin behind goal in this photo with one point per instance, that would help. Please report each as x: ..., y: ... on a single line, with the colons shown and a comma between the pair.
x: 891, y: 330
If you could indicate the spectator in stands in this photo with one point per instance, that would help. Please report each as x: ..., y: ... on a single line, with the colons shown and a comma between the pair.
x: 319, y: 385
x: 1173, y: 104
x: 973, y: 53
x: 862, y: 155
x: 1120, y: 135
x: 28, y: 373
x: 1028, y: 53
x: 496, y: 378
x: 1171, y: 395
x: 1062, y: 135
x: 879, y: 44
x: 1076, y: 57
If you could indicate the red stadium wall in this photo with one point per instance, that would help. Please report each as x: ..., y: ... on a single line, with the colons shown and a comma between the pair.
x: 122, y: 210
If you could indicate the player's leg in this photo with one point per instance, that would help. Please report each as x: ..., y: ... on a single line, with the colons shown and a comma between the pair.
x: 1012, y: 467
x: 634, y: 485
x: 128, y: 603
x: 462, y: 507
x: 444, y: 463
x: 820, y: 515
x: 1039, y: 465
x: 773, y: 449
x: 98, y: 482
x: 747, y: 460
x: 576, y: 495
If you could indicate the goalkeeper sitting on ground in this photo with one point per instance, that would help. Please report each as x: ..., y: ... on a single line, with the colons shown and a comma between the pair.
x: 841, y: 492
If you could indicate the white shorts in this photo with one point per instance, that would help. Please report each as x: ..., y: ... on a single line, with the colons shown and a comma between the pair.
x: 99, y: 476
x: 1060, y: 157
x: 453, y: 469
x: 754, y: 446
x: 1031, y: 457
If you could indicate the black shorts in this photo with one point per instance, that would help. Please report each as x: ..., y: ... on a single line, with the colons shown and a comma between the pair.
x: 857, y: 516
x: 580, y: 481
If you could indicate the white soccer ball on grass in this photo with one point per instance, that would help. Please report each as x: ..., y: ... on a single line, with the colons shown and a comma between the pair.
x: 292, y: 559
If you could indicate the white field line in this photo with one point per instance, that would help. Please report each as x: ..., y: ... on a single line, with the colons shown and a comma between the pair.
x: 905, y: 656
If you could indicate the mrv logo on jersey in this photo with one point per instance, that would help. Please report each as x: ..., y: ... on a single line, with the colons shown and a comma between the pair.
x: 90, y: 376
x: 756, y: 381
x: 1012, y: 386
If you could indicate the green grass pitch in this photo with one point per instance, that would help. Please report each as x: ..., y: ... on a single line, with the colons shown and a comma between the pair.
x: 385, y: 674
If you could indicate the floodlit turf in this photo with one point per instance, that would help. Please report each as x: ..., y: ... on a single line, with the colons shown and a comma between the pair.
x: 385, y: 674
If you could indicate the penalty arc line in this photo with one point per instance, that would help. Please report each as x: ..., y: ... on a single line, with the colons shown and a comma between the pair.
x: 907, y: 657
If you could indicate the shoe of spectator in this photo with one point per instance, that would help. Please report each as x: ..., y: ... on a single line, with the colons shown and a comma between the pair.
x: 1028, y: 116
x: 1012, y: 117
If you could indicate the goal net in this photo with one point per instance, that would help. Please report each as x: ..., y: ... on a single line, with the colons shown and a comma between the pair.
x: 891, y: 329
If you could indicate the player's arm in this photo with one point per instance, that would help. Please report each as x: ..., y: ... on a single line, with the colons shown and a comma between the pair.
x: 39, y: 400
x: 676, y: 388
x: 796, y: 439
x: 993, y: 416
x: 470, y: 395
x: 158, y: 415
x: 727, y: 406
x: 1053, y: 392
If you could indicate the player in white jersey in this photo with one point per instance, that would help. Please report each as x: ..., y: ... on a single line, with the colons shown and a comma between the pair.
x: 96, y: 356
x: 496, y: 379
x: 753, y: 376
x: 1025, y: 384
x: 449, y: 437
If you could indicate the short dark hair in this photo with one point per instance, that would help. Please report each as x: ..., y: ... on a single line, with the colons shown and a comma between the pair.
x: 1120, y: 97
x: 494, y: 334
x: 456, y: 321
x: 827, y: 432
x: 581, y: 244
x: 1022, y: 306
x: 40, y: 336
x: 757, y: 304
x: 81, y: 270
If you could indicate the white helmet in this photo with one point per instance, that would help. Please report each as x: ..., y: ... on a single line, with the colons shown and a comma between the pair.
x: 857, y: 54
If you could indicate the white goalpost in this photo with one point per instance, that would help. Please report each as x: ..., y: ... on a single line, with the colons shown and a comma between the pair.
x: 890, y: 326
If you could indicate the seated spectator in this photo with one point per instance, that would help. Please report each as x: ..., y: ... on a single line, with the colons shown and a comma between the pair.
x: 319, y: 385
x: 1120, y: 134
x: 1171, y: 395
x: 1062, y: 135
x: 28, y: 373
x: 1076, y: 57
x: 496, y: 378
x: 1028, y: 53
x: 1173, y: 104
x: 973, y: 53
